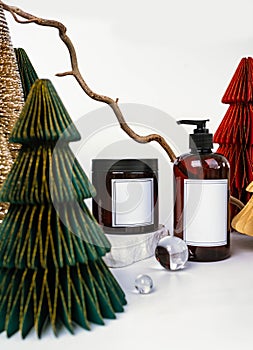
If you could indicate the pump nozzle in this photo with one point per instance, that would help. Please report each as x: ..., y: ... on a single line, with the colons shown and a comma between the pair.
x: 201, y: 125
x: 200, y: 139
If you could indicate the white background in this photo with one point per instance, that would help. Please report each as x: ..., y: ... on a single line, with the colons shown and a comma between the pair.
x: 175, y: 56
x: 178, y: 57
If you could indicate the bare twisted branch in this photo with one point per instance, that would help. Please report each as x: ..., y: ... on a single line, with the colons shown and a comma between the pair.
x: 16, y: 12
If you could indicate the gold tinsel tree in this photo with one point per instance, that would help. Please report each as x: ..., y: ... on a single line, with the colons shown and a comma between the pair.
x: 11, y: 102
x: 5, y: 166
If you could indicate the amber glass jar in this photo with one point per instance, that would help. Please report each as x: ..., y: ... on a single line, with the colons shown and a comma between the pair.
x: 127, y: 195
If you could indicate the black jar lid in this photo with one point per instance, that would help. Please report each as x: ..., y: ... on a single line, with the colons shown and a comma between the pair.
x: 106, y: 165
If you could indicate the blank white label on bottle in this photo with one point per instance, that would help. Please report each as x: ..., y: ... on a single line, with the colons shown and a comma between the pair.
x: 205, y: 212
x: 132, y: 202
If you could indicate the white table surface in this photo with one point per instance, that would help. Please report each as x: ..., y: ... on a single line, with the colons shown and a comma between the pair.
x: 204, y: 306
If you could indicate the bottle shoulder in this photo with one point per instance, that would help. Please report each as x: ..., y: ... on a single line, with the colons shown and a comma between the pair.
x: 211, y: 159
x: 222, y: 158
x: 205, y: 166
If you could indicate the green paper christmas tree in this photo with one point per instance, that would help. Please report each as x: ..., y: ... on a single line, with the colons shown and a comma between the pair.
x: 51, y: 247
x: 27, y: 72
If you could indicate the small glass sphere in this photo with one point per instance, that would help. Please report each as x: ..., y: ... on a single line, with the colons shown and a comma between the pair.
x: 172, y: 253
x: 144, y: 284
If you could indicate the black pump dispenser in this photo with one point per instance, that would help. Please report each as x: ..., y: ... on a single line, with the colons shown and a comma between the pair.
x: 201, y: 139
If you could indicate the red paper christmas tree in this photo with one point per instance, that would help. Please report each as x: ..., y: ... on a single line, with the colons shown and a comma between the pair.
x: 235, y: 133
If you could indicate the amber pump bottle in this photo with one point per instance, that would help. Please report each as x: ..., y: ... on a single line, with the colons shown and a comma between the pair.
x: 201, y: 197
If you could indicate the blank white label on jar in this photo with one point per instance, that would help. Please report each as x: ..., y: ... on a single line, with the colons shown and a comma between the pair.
x: 205, y: 212
x: 132, y: 202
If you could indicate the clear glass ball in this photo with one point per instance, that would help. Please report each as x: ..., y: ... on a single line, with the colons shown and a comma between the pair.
x: 144, y: 284
x: 172, y: 253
